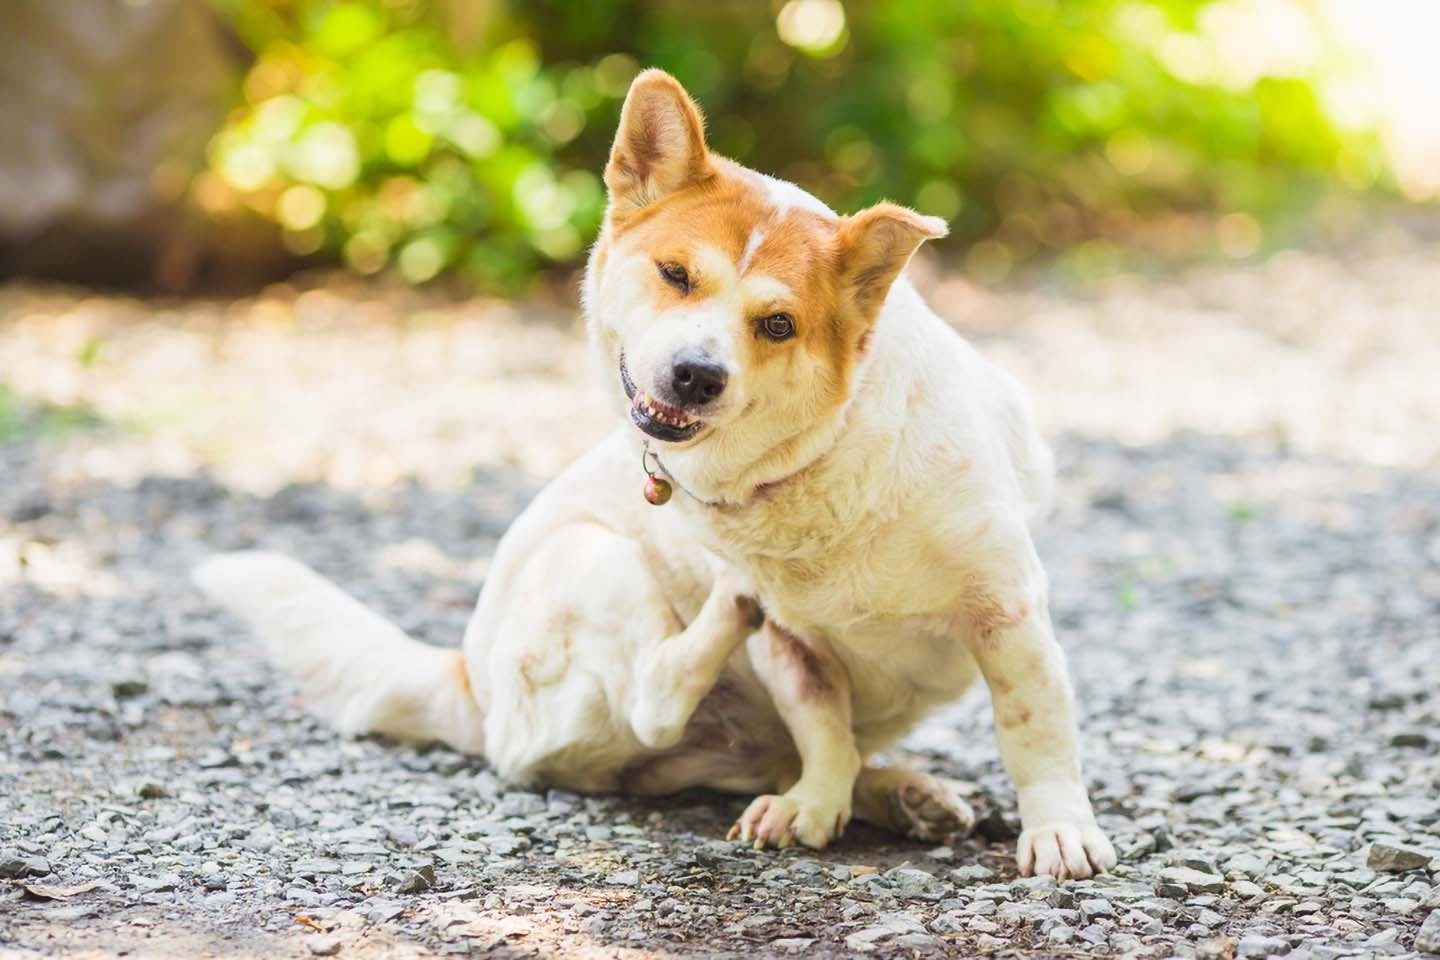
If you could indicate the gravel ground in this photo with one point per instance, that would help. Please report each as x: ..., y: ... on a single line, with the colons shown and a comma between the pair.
x: 1252, y: 615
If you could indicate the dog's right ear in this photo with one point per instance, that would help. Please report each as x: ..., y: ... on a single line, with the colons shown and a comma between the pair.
x: 659, y: 147
x: 876, y: 244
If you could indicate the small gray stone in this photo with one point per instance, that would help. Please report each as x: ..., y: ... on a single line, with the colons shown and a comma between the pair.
x: 1428, y: 939
x: 381, y: 910
x: 1395, y: 859
x: 1195, y: 881
x: 1401, y: 906
x: 323, y: 945
x: 972, y: 873
x: 418, y: 882
x: 15, y: 866
x: 124, y: 689
x: 624, y: 878
x: 520, y: 804
x: 918, y: 941
x: 792, y: 944
x: 1253, y: 946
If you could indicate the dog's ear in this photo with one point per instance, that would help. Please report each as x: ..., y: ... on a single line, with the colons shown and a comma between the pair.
x: 876, y: 244
x: 659, y: 147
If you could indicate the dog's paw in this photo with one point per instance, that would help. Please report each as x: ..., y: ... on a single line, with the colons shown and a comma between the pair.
x: 752, y: 616
x: 1065, y: 850
x: 779, y: 820
x: 924, y: 807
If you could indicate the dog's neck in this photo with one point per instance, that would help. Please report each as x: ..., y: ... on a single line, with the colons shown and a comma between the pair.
x: 781, y: 464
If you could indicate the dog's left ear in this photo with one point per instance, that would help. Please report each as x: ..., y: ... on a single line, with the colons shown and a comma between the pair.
x: 875, y: 246
x: 659, y: 147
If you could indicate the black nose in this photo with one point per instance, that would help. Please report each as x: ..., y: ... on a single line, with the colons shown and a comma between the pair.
x: 696, y: 379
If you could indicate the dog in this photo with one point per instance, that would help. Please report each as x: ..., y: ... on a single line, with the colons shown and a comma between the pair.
x: 846, y: 547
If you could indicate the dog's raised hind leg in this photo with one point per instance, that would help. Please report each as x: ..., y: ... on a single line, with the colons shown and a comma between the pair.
x: 911, y: 803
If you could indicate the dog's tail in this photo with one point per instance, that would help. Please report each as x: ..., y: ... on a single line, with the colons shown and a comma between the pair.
x: 356, y: 670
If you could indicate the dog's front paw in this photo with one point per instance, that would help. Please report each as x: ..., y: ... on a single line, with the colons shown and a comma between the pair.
x: 1060, y: 837
x: 778, y: 820
x: 1065, y: 850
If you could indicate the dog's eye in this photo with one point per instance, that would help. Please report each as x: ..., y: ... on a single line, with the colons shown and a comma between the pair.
x: 675, y: 275
x: 778, y: 326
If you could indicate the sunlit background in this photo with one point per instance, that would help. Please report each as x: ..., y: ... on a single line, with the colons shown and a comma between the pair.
x: 182, y: 142
x: 338, y: 241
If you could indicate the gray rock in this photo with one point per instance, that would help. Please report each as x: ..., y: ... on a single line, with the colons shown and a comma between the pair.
x: 792, y: 944
x: 1428, y: 939
x: 418, y: 881
x: 378, y: 911
x: 1060, y: 933
x: 15, y: 866
x: 1195, y: 881
x: 972, y: 873
x: 1392, y: 858
x: 520, y: 804
x: 323, y: 945
x: 1253, y: 946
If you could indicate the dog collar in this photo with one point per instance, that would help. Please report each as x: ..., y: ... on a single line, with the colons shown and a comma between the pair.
x: 658, y: 489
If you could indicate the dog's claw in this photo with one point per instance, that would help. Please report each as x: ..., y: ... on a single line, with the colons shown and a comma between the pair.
x: 785, y: 841
x: 734, y: 832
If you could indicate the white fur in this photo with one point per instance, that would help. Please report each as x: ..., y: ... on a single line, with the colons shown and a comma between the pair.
x: 752, y: 245
x: 886, y: 539
x: 785, y: 196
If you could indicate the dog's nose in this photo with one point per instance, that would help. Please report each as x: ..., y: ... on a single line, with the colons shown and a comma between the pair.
x: 696, y: 379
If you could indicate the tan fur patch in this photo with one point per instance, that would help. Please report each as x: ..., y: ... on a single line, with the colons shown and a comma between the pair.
x: 1014, y: 715
x: 990, y: 613
x: 462, y: 673
x: 807, y: 668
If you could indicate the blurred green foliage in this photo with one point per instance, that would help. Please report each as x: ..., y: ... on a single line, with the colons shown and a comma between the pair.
x: 21, y: 421
x: 471, y: 133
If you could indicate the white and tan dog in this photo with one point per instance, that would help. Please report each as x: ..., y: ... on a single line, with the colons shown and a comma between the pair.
x: 839, y: 455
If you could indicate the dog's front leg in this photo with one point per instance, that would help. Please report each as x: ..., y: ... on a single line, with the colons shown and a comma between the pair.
x: 811, y: 691
x: 1035, y: 723
x: 676, y: 674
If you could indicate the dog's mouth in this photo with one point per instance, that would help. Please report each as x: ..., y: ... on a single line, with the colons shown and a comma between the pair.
x: 654, y: 418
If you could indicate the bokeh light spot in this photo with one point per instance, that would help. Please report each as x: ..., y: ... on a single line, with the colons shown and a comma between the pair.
x: 367, y: 251
x: 326, y: 156
x: 815, y: 26
x: 421, y: 259
x: 300, y: 207
x: 246, y: 166
x: 939, y: 198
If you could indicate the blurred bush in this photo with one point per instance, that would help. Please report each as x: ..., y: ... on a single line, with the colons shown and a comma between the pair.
x: 424, y: 136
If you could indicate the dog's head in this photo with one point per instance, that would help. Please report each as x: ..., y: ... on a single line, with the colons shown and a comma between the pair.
x: 730, y: 308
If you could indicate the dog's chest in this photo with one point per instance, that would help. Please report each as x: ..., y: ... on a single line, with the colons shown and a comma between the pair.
x: 816, y: 576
